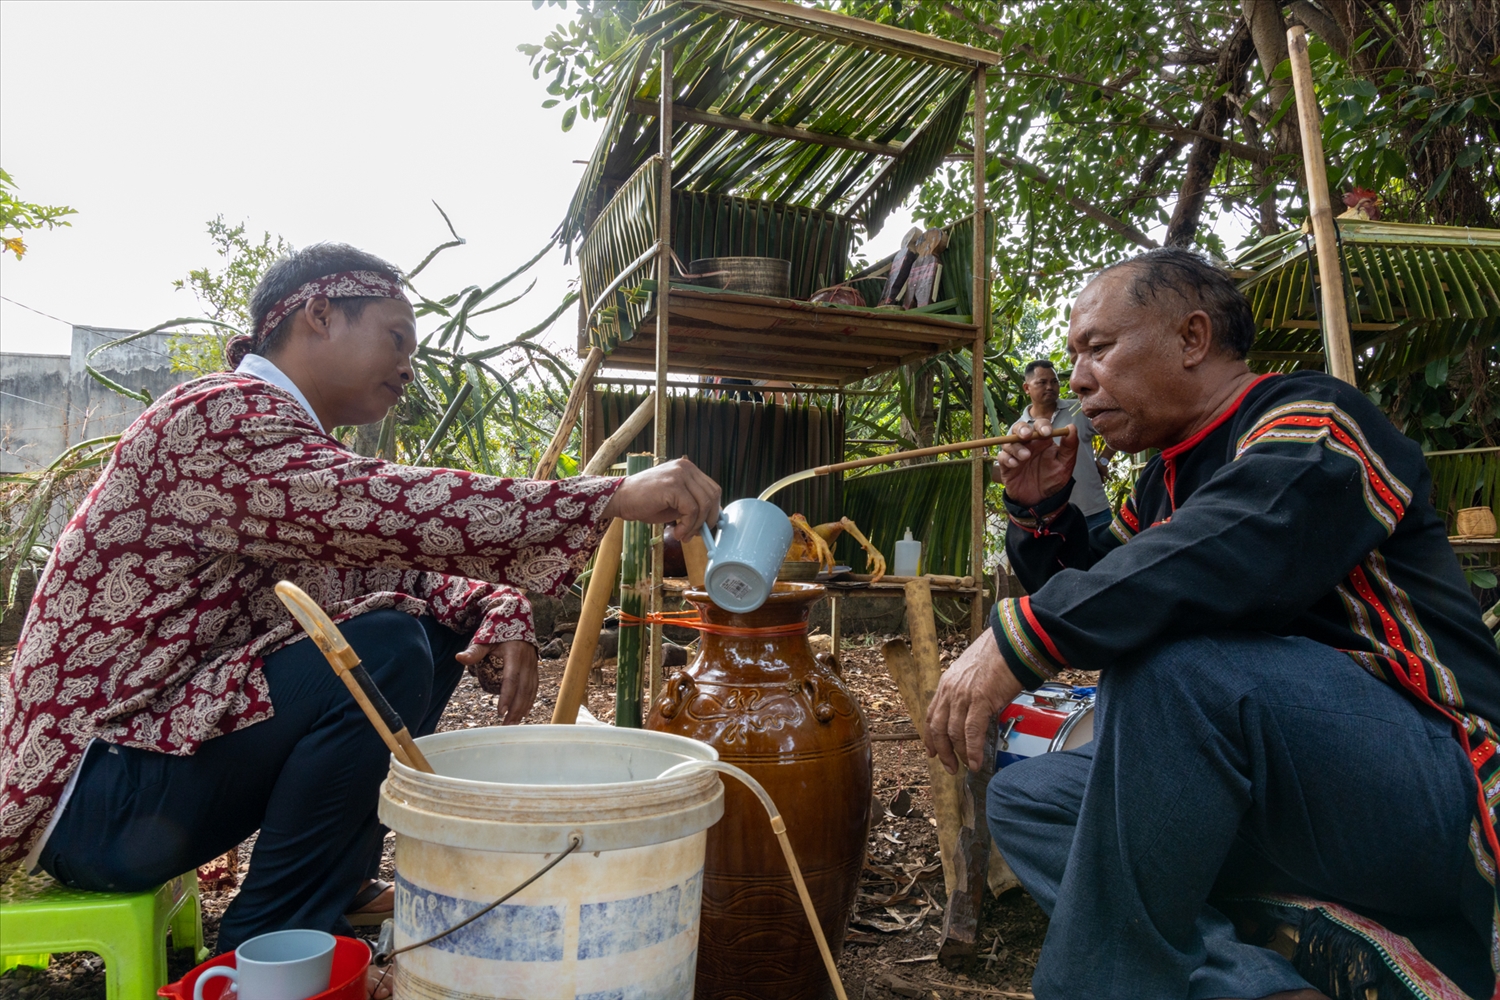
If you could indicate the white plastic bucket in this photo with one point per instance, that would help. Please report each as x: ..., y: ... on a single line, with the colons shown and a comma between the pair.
x: 618, y: 918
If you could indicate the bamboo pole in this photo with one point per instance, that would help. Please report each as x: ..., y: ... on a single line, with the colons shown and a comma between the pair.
x: 548, y: 462
x: 1336, y: 344
x: 636, y: 542
x: 575, y: 681
x: 916, y: 672
x: 663, y: 331
x: 981, y: 306
x: 620, y: 440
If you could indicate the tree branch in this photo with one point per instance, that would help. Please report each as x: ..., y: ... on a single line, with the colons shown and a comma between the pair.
x: 1197, y: 180
x: 1087, y: 208
x: 1322, y: 24
x: 1152, y: 171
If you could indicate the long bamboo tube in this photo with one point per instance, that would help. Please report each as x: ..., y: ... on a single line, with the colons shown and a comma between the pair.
x: 633, y: 573
x: 899, y: 456
x: 981, y: 308
x: 575, y: 681
x: 620, y: 440
x: 1330, y: 268
x: 548, y: 462
x: 663, y: 334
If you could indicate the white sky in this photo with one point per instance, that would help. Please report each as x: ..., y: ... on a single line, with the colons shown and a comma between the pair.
x: 314, y: 121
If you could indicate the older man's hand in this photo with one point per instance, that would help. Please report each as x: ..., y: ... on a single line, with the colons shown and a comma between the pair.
x: 977, y: 686
x: 1035, y: 468
x: 676, y: 491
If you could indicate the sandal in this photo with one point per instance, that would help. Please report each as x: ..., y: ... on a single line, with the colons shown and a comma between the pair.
x: 358, y: 916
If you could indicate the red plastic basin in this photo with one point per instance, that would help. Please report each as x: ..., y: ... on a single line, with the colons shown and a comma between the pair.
x: 351, y: 957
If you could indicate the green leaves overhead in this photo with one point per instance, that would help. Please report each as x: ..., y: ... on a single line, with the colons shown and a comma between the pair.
x: 731, y: 64
x: 1416, y: 295
x: 933, y: 500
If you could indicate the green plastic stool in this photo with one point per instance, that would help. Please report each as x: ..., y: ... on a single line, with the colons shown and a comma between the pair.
x: 126, y: 929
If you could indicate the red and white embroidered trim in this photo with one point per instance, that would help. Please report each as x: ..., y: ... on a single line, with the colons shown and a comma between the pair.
x: 343, y: 285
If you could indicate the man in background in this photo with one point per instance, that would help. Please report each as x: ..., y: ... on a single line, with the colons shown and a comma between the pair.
x: 1088, y: 474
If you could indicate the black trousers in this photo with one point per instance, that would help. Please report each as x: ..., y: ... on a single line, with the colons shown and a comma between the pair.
x: 308, y: 779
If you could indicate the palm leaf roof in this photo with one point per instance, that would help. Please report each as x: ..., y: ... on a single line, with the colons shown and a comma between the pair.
x: 782, y: 103
x: 1415, y: 294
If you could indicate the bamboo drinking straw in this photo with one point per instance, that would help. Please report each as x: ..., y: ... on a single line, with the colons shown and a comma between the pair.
x: 900, y: 456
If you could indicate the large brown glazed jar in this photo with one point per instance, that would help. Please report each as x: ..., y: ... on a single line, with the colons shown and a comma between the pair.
x: 770, y: 708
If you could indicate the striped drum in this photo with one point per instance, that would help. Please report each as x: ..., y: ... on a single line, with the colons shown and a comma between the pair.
x: 1053, y: 717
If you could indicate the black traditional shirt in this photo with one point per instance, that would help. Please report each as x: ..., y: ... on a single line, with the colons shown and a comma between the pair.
x: 1301, y: 510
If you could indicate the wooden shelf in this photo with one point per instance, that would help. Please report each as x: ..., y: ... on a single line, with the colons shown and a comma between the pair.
x: 738, y: 335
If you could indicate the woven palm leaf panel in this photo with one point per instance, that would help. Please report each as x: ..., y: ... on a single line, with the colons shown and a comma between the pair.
x: 743, y: 445
x: 931, y: 499
x: 704, y: 225
x: 755, y: 67
x: 1415, y: 294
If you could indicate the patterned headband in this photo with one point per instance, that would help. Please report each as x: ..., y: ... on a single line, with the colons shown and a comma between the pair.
x: 342, y: 285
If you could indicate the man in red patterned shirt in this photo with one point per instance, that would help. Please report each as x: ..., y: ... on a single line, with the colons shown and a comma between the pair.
x: 161, y: 708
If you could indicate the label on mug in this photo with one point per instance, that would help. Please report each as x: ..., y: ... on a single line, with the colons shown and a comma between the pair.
x: 735, y: 585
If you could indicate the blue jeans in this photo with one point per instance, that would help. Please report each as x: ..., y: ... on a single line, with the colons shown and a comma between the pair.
x: 1230, y: 763
x: 308, y: 778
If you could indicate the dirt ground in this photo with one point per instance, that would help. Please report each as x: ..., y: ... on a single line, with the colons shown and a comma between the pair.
x: 891, y: 946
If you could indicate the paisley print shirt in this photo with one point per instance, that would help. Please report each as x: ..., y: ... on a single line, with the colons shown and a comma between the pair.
x: 156, y: 605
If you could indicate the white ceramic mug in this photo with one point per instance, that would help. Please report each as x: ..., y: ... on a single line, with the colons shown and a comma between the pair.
x: 282, y: 965
x: 744, y: 560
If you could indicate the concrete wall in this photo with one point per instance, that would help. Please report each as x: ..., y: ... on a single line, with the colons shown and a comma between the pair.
x: 49, y: 402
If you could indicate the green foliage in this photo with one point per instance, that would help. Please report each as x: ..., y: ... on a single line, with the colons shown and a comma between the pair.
x: 35, y: 505
x: 223, y: 293
x: 755, y: 69
x: 17, y: 217
x: 1465, y: 479
x: 1099, y: 114
x: 579, y: 55
x: 932, y: 499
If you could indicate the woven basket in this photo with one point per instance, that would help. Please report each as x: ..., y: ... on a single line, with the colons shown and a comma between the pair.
x: 757, y: 275
x: 1476, y: 522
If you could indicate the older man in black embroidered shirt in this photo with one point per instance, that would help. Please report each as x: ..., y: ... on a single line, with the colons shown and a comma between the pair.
x: 1297, y: 692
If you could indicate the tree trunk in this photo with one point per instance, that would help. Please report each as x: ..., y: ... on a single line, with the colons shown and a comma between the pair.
x: 1234, y: 59
x: 923, y: 411
x: 1268, y: 32
x: 367, y: 438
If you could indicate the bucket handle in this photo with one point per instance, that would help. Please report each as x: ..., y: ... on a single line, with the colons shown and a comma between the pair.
x: 383, y: 957
x: 778, y: 827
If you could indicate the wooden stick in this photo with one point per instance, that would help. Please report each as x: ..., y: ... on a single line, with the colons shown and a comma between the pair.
x: 940, y: 449
x: 345, y: 662
x: 548, y: 462
x: 958, y: 942
x: 621, y: 438
x: 634, y: 581
x: 980, y: 297
x: 916, y: 673
x: 1330, y: 267
x: 934, y: 579
x: 663, y: 361
x: 575, y: 681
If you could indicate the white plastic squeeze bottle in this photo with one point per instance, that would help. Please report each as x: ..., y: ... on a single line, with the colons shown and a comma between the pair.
x: 908, y: 556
